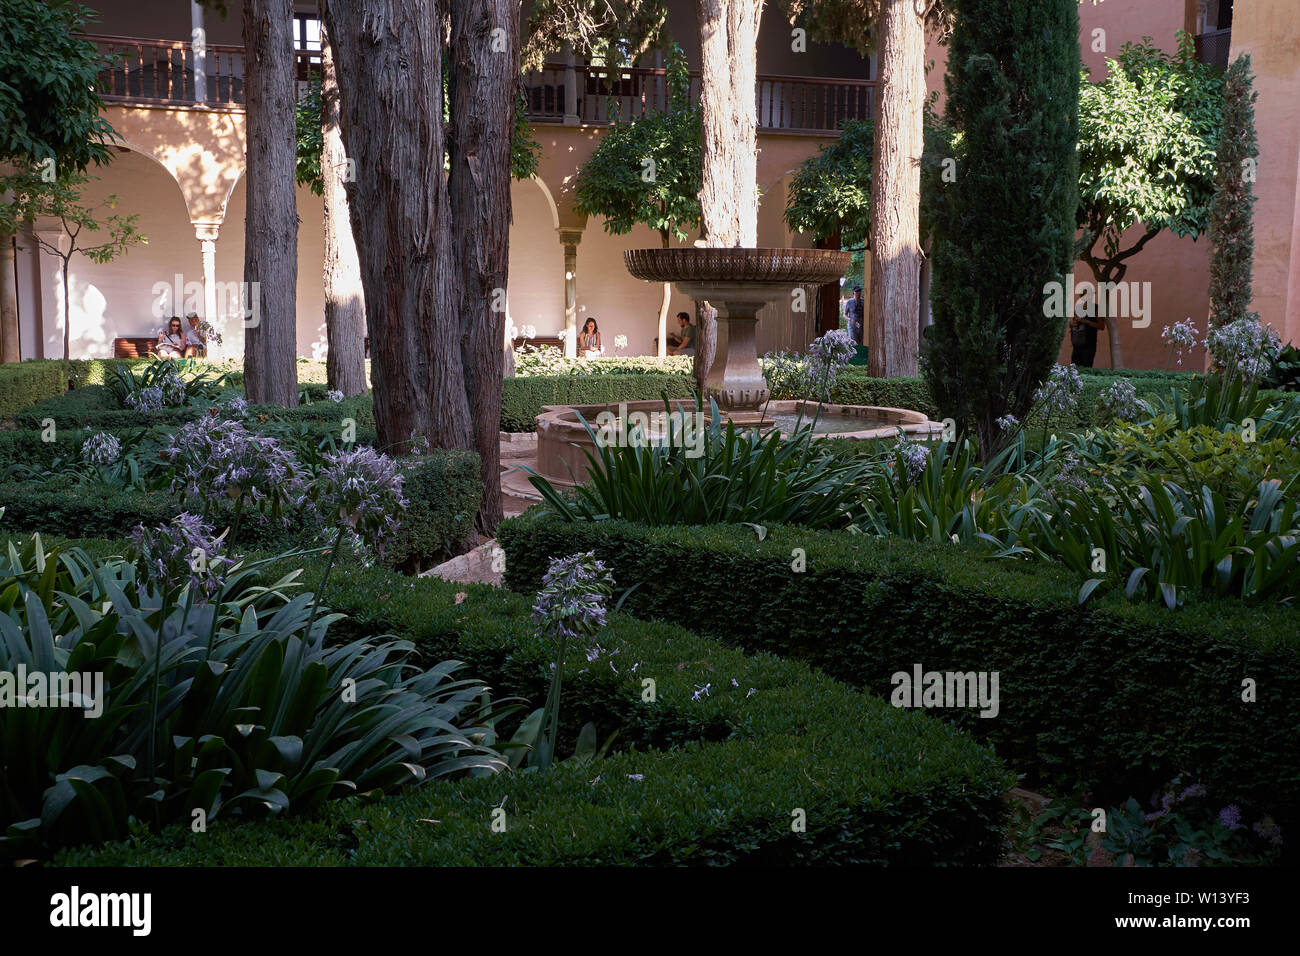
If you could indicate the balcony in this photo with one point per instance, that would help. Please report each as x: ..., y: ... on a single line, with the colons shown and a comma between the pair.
x: 147, y: 72
x: 1213, y: 47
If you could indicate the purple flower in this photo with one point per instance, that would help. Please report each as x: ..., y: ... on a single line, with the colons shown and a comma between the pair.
x: 1118, y: 401
x: 1060, y: 393
x: 571, y: 602
x: 361, y: 490
x: 184, y: 553
x: 101, y: 449
x: 146, y: 400
x: 912, y: 458
x: 222, y: 463
x: 1230, y: 817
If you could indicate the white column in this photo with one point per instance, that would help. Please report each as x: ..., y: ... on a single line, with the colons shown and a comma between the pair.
x: 51, y: 277
x: 206, y: 232
x: 199, y: 46
x: 570, y: 238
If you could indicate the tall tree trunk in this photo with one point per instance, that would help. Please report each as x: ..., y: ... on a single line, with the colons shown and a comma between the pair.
x: 896, y: 192
x: 729, y: 120
x: 388, y: 54
x: 484, y: 78
x: 271, y: 221
x: 345, y: 307
x: 9, y: 346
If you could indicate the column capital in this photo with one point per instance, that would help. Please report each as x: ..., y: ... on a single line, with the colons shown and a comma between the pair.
x: 206, y: 231
x: 568, y: 236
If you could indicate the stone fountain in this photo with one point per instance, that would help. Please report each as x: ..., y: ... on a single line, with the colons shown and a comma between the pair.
x: 737, y: 282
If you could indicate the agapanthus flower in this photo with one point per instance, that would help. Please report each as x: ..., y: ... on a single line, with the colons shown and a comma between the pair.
x: 223, y: 462
x: 827, y: 356
x: 1245, y: 347
x: 1007, y: 423
x: 235, y: 405
x: 914, y: 457
x: 1060, y: 393
x: 1230, y: 817
x: 1181, y: 336
x: 571, y: 602
x: 173, y: 391
x: 361, y: 490
x: 1118, y: 402
x: 185, y: 552
x: 146, y: 400
x: 101, y: 449
x: 334, y: 395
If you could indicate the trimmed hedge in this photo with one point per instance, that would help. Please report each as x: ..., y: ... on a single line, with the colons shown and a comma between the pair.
x: 1112, y: 696
x: 443, y: 488
x: 522, y: 397
x: 443, y: 491
x: 854, y: 386
x: 879, y: 786
x: 24, y: 383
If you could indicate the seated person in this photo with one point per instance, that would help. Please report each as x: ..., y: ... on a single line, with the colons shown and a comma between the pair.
x: 686, y: 340
x: 196, y: 346
x: 589, y: 339
x: 171, y: 344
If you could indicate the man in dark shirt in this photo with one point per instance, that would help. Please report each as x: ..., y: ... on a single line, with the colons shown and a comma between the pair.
x: 1083, y: 339
x: 855, y: 313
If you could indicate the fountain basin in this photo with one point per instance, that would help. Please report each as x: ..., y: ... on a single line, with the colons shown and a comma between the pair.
x: 737, y: 283
x: 562, y: 440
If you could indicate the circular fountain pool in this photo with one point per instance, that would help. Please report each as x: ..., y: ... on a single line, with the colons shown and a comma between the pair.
x: 563, y: 441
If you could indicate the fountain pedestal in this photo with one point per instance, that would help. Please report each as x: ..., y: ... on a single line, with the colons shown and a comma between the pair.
x: 737, y: 282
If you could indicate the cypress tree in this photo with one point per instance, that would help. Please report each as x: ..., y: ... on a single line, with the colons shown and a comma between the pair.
x: 1005, y: 228
x: 1232, y: 231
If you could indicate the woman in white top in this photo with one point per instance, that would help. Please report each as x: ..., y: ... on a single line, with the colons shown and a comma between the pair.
x: 171, y: 344
x: 589, y: 339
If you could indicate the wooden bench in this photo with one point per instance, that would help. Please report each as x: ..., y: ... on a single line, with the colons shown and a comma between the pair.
x: 135, y: 346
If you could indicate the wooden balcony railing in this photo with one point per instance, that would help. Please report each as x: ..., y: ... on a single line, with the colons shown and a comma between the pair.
x: 162, y: 72
x: 1213, y: 47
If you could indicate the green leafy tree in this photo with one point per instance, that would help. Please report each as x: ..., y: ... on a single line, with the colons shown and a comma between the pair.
x: 831, y: 192
x: 1147, y: 138
x: 82, y: 225
x: 1006, y: 226
x: 50, y: 117
x: 1232, y: 233
x: 609, y: 31
x: 649, y: 171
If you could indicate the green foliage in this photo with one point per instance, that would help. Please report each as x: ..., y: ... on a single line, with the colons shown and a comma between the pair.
x: 548, y: 360
x: 831, y: 192
x: 309, y: 136
x: 1147, y: 135
x: 201, y: 383
x: 1192, y: 457
x: 648, y: 170
x: 1166, y: 686
x: 1006, y: 227
x: 893, y: 787
x: 48, y: 77
x: 251, y: 722
x: 1232, y: 233
x: 443, y: 491
x: 601, y: 31
x: 712, y: 476
x: 522, y: 397
x: 25, y: 383
x: 1181, y: 830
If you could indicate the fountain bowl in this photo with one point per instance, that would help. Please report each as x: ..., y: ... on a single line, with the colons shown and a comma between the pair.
x: 737, y: 282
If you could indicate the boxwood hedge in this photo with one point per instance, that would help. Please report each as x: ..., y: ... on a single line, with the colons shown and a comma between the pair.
x: 1111, y: 696
x: 878, y: 785
x: 522, y: 397
x: 23, y: 383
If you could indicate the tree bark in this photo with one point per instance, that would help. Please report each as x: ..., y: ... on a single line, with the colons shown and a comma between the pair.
x: 896, y: 192
x: 345, y: 307
x: 9, y: 345
x: 484, y: 77
x: 729, y: 123
x: 271, y: 221
x: 388, y: 56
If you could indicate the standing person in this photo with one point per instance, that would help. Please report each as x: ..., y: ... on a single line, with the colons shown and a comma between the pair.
x: 855, y: 312
x: 1083, y: 339
x: 196, y: 346
x: 589, y: 339
x: 686, y: 339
